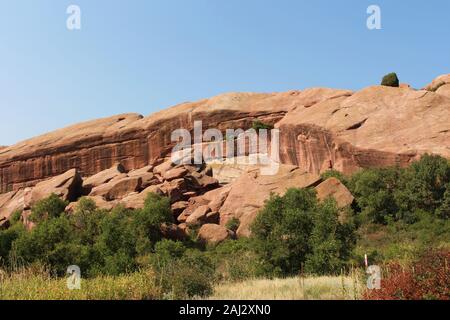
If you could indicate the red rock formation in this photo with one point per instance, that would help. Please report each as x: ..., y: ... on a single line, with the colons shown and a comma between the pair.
x: 320, y: 128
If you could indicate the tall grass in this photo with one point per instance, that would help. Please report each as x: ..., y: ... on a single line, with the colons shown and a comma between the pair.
x: 298, y: 288
x: 36, y: 283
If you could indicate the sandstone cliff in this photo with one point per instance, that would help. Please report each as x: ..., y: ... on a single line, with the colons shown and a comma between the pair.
x: 320, y: 129
x: 376, y: 126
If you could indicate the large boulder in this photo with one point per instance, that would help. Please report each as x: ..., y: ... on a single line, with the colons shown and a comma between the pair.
x: 193, y: 204
x: 141, y: 171
x: 136, y: 200
x: 174, y: 189
x: 173, y: 232
x: 117, y: 189
x: 11, y: 202
x: 214, y: 234
x: 199, y: 216
x: 201, y: 181
x: 178, y: 208
x: 100, y: 202
x: 175, y: 173
x: 67, y: 186
x: 332, y: 187
x: 146, y: 174
x: 103, y: 177
x: 248, y: 193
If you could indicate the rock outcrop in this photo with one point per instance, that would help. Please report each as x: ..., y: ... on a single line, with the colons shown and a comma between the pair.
x: 214, y: 234
x: 121, y: 159
x: 376, y: 126
x: 332, y: 187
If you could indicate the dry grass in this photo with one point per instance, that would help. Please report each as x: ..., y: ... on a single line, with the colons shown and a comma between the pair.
x: 30, y: 284
x: 37, y: 284
x: 310, y: 288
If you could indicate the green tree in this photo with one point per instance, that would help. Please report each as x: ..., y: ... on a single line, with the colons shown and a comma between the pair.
x: 148, y: 221
x: 423, y: 186
x: 331, y: 242
x: 46, y: 243
x: 282, y: 229
x: 390, y: 80
x: 48, y: 208
x: 374, y: 192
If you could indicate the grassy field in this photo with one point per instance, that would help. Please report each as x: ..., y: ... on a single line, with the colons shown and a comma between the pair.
x: 298, y: 288
x: 29, y: 284
x: 32, y: 284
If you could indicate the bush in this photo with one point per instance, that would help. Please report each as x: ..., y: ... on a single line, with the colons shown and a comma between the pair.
x: 147, y: 222
x: 7, y: 237
x: 235, y: 260
x: 48, y: 208
x: 374, y: 192
x: 423, y: 186
x: 182, y: 273
x: 330, y: 241
x: 47, y: 243
x: 335, y: 174
x: 428, y: 279
x: 233, y: 224
x: 399, y: 194
x: 291, y: 230
x: 390, y: 80
x: 443, y: 211
x: 99, y: 243
x: 259, y: 125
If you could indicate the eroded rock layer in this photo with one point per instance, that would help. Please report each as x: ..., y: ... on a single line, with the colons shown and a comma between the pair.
x: 319, y: 129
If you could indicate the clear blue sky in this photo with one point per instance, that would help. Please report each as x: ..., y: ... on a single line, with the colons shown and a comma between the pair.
x: 145, y: 55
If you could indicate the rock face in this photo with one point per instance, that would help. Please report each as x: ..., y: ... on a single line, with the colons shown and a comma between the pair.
x: 121, y: 159
x: 440, y: 85
x: 103, y: 177
x: 214, y: 234
x: 334, y: 188
x: 67, y: 186
x: 376, y: 126
x: 249, y: 193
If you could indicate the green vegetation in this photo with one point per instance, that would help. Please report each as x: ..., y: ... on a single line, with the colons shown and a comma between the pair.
x: 296, y: 230
x: 259, y: 125
x: 98, y: 242
x: 390, y: 80
x: 398, y: 215
x: 233, y: 224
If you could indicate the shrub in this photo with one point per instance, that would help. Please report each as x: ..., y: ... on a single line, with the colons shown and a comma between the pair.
x: 282, y: 229
x: 423, y: 186
x: 259, y: 125
x: 147, y: 222
x: 294, y: 229
x: 7, y: 237
x: 51, y: 207
x: 390, y: 80
x: 46, y: 243
x: 374, y: 192
x: 335, y: 174
x: 330, y: 241
x: 233, y: 224
x: 182, y: 273
x: 428, y: 279
x: 235, y: 260
x: 116, y: 244
x: 15, y: 217
x: 443, y: 211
